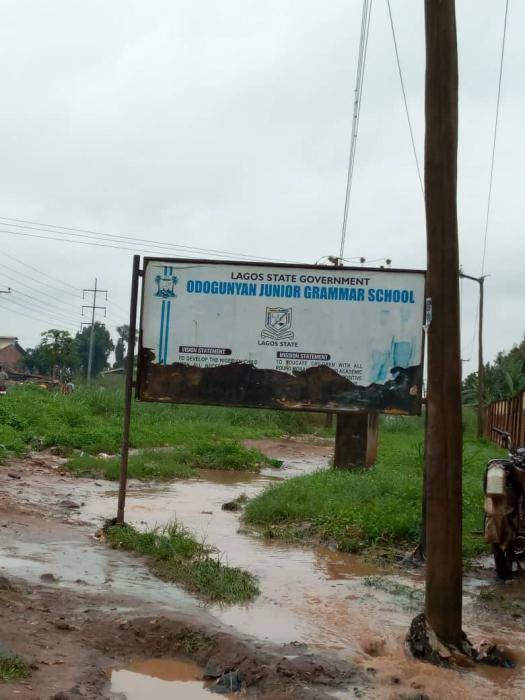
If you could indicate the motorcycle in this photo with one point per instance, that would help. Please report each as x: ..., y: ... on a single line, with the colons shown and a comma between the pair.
x: 504, y: 488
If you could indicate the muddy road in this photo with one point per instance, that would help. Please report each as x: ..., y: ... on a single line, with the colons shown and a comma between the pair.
x: 326, y: 624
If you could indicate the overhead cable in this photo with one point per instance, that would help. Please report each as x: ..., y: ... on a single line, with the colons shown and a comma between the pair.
x: 21, y: 313
x: 16, y: 278
x: 414, y: 150
x: 44, y: 274
x: 361, y: 61
x: 47, y: 314
x: 65, y: 308
x: 491, y: 178
x: 119, y: 239
x: 24, y: 264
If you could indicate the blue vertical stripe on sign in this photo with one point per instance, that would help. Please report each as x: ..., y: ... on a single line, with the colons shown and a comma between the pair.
x: 161, y: 331
x: 167, y: 331
x: 169, y: 271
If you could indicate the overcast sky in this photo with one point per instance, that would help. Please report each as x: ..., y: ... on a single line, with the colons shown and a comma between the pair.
x: 225, y: 125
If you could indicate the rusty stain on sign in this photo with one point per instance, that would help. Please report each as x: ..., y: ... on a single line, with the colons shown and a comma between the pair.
x: 317, y: 388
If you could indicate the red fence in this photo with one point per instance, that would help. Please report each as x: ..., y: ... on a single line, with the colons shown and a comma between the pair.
x: 509, y: 415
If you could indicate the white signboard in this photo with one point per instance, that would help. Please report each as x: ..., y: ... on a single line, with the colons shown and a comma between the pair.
x: 318, y: 338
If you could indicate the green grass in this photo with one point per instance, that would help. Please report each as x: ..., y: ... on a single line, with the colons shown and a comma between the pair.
x: 380, y: 507
x: 90, y: 419
x: 13, y: 668
x: 175, y: 555
x: 173, y: 463
x: 147, y: 464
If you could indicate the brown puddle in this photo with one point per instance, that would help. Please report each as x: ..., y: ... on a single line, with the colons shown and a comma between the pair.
x: 161, y: 679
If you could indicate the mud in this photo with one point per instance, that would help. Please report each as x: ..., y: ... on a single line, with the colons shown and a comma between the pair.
x: 317, y: 605
x: 73, y: 630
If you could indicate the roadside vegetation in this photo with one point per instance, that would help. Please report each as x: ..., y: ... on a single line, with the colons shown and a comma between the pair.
x: 13, y: 667
x: 90, y: 420
x: 173, y: 462
x: 378, y: 508
x: 503, y: 377
x: 175, y: 555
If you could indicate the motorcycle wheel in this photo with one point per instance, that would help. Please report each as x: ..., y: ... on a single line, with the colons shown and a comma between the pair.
x: 503, y: 561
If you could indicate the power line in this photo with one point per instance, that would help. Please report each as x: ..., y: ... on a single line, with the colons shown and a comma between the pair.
x: 117, y: 238
x: 135, y: 249
x: 405, y: 98
x: 489, y: 198
x: 48, y: 315
x: 67, y: 308
x: 491, y: 176
x: 21, y: 313
x: 25, y: 264
x: 36, y: 290
x: 53, y: 309
x: 361, y: 61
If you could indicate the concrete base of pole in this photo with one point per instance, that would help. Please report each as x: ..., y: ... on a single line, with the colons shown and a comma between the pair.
x: 356, y: 440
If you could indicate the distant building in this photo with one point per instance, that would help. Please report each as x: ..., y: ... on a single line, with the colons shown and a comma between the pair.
x: 11, y: 353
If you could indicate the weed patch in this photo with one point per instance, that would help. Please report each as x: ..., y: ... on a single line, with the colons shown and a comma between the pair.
x: 13, y: 668
x: 90, y: 419
x: 172, y: 463
x: 376, y: 508
x: 149, y: 464
x: 175, y: 555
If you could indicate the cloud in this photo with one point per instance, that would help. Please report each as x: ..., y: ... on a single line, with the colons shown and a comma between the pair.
x: 227, y: 126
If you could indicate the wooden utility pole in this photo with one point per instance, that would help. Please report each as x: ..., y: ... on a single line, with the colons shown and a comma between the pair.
x: 481, y: 366
x: 444, y: 430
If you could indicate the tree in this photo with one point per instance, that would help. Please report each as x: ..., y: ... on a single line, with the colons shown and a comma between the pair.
x: 56, y: 354
x: 120, y: 347
x: 505, y: 377
x: 102, y: 347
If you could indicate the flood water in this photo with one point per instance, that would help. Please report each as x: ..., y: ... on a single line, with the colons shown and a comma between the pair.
x: 330, y: 601
x: 306, y: 592
x: 318, y: 596
x: 161, y: 679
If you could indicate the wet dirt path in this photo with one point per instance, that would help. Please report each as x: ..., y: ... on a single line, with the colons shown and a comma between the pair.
x: 304, y: 591
x: 309, y: 596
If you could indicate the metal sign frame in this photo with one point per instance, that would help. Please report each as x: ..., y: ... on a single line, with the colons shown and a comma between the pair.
x: 363, y: 402
x: 130, y: 384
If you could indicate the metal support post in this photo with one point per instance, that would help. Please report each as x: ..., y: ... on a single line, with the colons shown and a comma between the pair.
x: 124, y: 450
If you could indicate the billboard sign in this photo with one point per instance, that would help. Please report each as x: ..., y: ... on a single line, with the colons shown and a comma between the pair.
x: 281, y: 336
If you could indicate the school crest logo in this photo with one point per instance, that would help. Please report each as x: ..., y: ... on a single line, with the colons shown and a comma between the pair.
x: 278, y: 324
x: 165, y: 286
